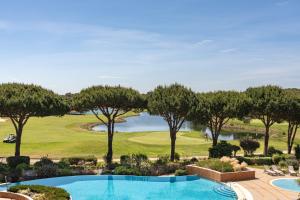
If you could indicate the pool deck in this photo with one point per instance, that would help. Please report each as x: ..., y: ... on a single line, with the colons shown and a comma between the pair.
x: 261, y: 187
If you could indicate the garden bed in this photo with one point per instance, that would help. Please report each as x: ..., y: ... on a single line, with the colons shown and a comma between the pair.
x: 220, y: 176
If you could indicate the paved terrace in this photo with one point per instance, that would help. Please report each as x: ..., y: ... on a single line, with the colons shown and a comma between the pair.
x: 261, y: 188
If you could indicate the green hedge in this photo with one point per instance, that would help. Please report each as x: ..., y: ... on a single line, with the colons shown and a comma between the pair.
x: 126, y: 171
x: 52, y: 193
x: 14, y: 161
x: 256, y: 160
x: 76, y: 160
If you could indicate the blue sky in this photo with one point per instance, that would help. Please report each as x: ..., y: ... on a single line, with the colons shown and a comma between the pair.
x: 66, y: 45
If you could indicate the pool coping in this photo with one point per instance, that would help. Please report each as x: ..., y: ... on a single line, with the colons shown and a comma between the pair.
x: 271, y: 183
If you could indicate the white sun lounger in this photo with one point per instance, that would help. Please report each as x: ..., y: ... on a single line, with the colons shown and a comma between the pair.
x: 279, y: 172
x: 267, y: 170
x: 292, y: 171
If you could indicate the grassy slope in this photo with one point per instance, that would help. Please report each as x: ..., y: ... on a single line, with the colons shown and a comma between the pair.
x: 62, y: 136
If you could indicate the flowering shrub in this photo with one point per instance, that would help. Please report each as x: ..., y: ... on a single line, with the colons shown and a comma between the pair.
x: 234, y: 163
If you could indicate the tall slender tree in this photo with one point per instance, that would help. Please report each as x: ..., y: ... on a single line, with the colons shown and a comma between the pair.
x: 19, y: 102
x: 215, y: 109
x: 266, y: 106
x: 291, y: 113
x: 111, y: 102
x: 175, y: 104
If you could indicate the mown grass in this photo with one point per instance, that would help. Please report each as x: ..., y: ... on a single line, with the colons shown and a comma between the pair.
x: 58, y: 137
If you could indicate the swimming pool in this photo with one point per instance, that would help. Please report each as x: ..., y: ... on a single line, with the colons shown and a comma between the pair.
x: 137, y: 187
x: 287, y: 184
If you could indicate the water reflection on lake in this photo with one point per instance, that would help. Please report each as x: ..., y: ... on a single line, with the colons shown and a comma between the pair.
x: 145, y: 122
x: 142, y: 123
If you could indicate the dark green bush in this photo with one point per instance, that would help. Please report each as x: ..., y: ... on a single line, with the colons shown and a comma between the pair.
x: 121, y: 170
x: 256, y: 160
x: 221, y: 149
x: 64, y: 172
x: 276, y: 158
x: 272, y: 150
x: 235, y: 149
x: 3, y: 168
x: 138, y: 159
x: 76, y: 160
x: 216, y: 164
x: 249, y: 146
x: 62, y: 164
x: 177, y: 156
x: 293, y: 162
x: 52, y: 193
x: 297, y: 151
x: 181, y: 172
x: 162, y: 159
x: 14, y: 161
x: 46, y: 168
x: 125, y: 160
x: 194, y: 160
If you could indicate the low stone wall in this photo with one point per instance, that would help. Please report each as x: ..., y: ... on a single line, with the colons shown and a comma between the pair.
x: 220, y: 176
x: 10, y: 195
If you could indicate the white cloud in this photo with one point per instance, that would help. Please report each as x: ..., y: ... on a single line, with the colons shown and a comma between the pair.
x: 230, y: 50
x: 203, y: 42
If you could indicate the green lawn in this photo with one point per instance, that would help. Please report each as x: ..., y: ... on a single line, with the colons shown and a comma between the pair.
x: 63, y: 136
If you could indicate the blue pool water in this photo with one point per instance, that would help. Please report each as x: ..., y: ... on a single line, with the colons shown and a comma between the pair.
x: 135, y: 188
x: 287, y: 184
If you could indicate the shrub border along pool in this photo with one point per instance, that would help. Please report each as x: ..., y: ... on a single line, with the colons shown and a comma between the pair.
x: 271, y: 183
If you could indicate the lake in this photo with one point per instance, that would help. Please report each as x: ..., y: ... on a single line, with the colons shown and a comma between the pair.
x: 144, y: 122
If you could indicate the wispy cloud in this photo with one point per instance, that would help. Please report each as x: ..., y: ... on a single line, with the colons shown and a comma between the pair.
x: 281, y: 3
x: 230, y: 50
x: 203, y: 42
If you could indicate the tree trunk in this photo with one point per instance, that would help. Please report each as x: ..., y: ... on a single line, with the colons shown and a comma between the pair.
x: 266, y: 143
x: 110, y: 134
x: 18, y: 141
x: 173, y: 141
x: 292, y: 131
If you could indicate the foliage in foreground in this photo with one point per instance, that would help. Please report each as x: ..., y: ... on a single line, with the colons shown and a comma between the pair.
x: 49, y: 193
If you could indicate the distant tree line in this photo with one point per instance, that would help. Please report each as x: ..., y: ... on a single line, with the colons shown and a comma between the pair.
x: 175, y: 103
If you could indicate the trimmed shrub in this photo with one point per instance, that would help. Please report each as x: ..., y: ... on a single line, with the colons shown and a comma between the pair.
x: 194, y: 160
x: 181, y: 172
x: 249, y: 146
x: 282, y: 164
x: 138, y: 159
x: 177, y: 156
x: 235, y: 149
x: 276, y: 158
x: 221, y: 149
x: 256, y: 160
x: 81, y: 159
x: 162, y: 159
x: 125, y: 160
x: 3, y: 168
x: 14, y: 161
x: 46, y: 168
x: 121, y: 170
x: 293, y: 162
x: 297, y: 151
x: 51, y: 193
x: 272, y: 151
